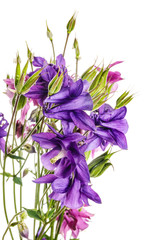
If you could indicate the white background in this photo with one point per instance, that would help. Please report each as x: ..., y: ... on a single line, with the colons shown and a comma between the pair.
x: 110, y: 30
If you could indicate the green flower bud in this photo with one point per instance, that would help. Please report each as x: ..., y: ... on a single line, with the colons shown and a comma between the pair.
x: 23, y: 230
x: 49, y: 33
x: 71, y: 24
x: 25, y: 172
x: 76, y: 47
x: 23, y: 216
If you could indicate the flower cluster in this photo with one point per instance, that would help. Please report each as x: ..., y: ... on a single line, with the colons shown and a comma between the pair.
x: 67, y: 118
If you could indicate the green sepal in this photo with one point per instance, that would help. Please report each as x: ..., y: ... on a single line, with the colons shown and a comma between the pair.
x: 55, y: 84
x: 17, y: 180
x: 49, y: 33
x: 98, y: 166
x: 90, y: 75
x: 84, y: 75
x: 30, y: 81
x: 123, y: 100
x: 22, y: 78
x: 33, y: 213
x: 18, y: 71
x: 96, y: 80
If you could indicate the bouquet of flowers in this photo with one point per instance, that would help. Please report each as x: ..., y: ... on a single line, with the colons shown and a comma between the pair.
x: 59, y: 121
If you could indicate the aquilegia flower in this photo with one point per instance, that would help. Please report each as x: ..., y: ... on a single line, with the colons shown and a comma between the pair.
x: 76, y: 221
x: 70, y: 181
x: 69, y: 105
x: 111, y: 128
x: 3, y: 133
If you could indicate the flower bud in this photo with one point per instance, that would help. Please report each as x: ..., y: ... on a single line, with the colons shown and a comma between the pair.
x: 71, y: 24
x: 29, y: 148
x: 49, y: 33
x: 76, y: 47
x: 23, y: 216
x: 25, y: 172
x: 23, y: 230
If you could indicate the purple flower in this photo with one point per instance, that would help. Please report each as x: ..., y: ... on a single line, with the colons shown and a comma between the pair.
x: 40, y: 90
x: 111, y: 128
x: 70, y: 103
x: 70, y: 181
x: 76, y: 221
x: 3, y: 133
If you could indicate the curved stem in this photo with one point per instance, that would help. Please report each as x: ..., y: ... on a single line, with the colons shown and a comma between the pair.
x: 23, y: 142
x: 54, y: 58
x: 9, y: 224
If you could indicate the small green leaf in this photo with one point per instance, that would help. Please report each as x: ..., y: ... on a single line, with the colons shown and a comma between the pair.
x: 83, y: 77
x: 17, y: 180
x: 22, y: 78
x: 96, y: 80
x: 22, y: 102
x: 15, y: 157
x: 13, y: 224
x: 7, y: 174
x: 30, y: 81
x: 50, y: 214
x: 33, y: 213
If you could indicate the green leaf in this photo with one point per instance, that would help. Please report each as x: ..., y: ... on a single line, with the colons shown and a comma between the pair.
x: 22, y: 102
x: 33, y: 213
x: 51, y: 213
x: 55, y: 84
x: 17, y: 180
x: 84, y: 75
x: 15, y: 157
x: 30, y: 81
x: 14, y: 224
x: 7, y: 174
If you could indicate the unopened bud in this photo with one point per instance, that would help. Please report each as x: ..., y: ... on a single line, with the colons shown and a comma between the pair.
x: 25, y: 172
x: 49, y: 33
x: 76, y: 47
x: 23, y: 230
x: 71, y: 24
x: 29, y: 148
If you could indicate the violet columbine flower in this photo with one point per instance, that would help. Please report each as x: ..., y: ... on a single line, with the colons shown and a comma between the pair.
x: 70, y: 181
x: 3, y: 133
x: 23, y: 230
x: 111, y: 128
x: 40, y: 90
x: 76, y: 221
x: 69, y: 105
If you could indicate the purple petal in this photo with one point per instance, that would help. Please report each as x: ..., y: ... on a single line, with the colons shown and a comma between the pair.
x: 48, y: 73
x: 120, y: 125
x: 91, y: 143
x: 76, y: 89
x: 88, y: 191
x: 82, y: 171
x: 46, y: 157
x: 61, y: 185
x: 44, y: 139
x: 73, y: 198
x: 82, y: 120
x: 67, y: 127
x: 2, y: 144
x: 58, y: 115
x: 82, y: 102
x: 46, y: 179
x: 64, y: 168
x: 120, y: 139
x: 59, y: 97
x: 60, y: 61
x: 39, y: 62
x: 113, y: 114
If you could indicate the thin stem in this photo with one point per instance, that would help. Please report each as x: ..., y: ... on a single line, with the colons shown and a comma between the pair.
x: 4, y: 163
x: 76, y: 69
x: 59, y: 223
x: 9, y: 224
x: 23, y: 142
x: 65, y: 44
x: 1, y: 160
x: 54, y: 58
x: 44, y: 194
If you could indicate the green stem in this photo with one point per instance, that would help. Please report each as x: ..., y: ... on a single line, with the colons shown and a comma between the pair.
x: 54, y: 58
x: 44, y: 194
x: 76, y: 69
x: 4, y: 163
x: 52, y: 232
x: 65, y: 44
x: 9, y: 224
x: 59, y: 223
x: 23, y: 142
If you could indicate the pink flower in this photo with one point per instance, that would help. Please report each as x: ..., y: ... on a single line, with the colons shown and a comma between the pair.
x: 10, y: 88
x: 75, y: 220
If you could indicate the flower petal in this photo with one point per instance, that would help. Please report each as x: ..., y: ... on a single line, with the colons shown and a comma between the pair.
x: 82, y: 120
x: 46, y: 179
